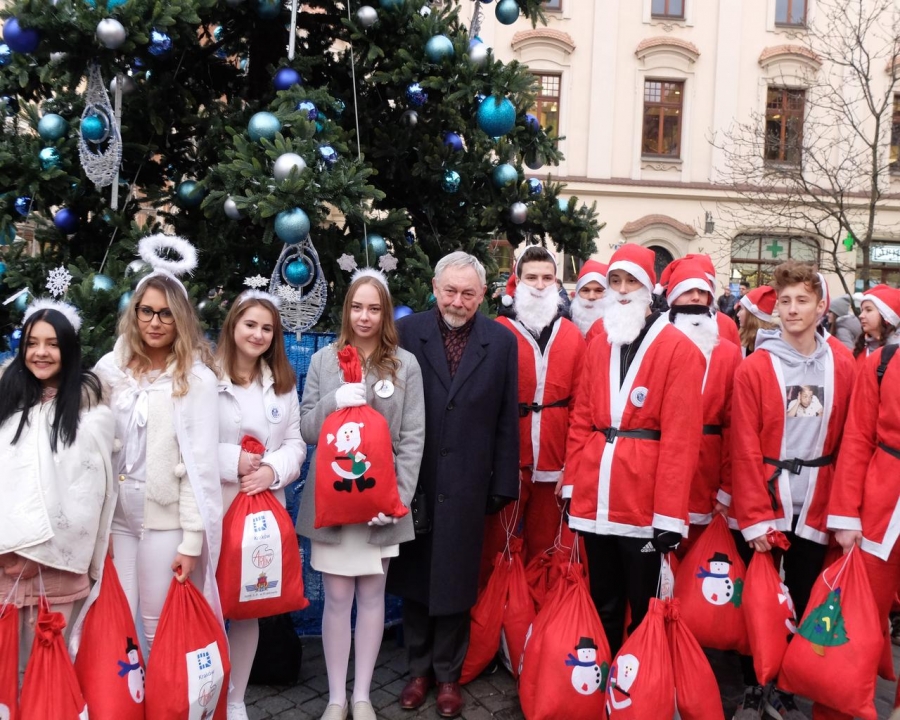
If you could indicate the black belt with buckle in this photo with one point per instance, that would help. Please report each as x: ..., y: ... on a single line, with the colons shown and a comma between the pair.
x: 638, y: 434
x: 794, y: 467
x: 893, y: 452
x: 712, y: 429
x: 525, y: 408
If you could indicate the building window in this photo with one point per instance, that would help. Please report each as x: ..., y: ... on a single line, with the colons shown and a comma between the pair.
x: 571, y: 268
x: 546, y: 104
x: 754, y: 257
x: 895, y: 136
x: 784, y: 125
x: 663, y: 103
x: 553, y: 5
x: 502, y: 254
x: 884, y: 264
x: 667, y: 9
x: 790, y: 12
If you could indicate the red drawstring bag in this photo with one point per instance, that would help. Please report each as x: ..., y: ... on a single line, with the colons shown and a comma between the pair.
x: 109, y: 663
x: 519, y: 612
x: 696, y: 689
x: 709, y: 586
x: 260, y: 573
x: 189, y: 668
x: 355, y: 476
x: 566, y: 659
x: 768, y: 611
x: 537, y: 575
x: 833, y: 658
x: 641, y: 681
x: 9, y: 662
x: 486, y: 621
x: 50, y: 690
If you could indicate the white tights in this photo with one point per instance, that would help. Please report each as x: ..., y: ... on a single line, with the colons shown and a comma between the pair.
x: 339, y: 594
x: 243, y: 637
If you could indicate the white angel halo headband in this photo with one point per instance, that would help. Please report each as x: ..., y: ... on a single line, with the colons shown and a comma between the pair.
x: 149, y: 249
x: 254, y: 294
x: 372, y: 273
x: 69, y: 312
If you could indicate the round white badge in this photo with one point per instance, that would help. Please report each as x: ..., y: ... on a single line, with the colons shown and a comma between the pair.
x: 639, y: 396
x: 275, y: 412
x: 384, y: 388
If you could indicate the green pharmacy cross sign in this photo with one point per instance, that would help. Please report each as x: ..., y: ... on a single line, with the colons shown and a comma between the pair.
x: 774, y: 248
x: 849, y: 241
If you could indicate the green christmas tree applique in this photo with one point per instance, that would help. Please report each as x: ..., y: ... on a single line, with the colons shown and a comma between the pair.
x: 824, y: 626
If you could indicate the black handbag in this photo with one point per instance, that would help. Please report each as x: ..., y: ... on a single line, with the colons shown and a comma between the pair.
x: 420, y: 516
x: 279, y: 655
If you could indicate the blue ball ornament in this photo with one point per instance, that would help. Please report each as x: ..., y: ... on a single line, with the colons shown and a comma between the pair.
x: 218, y: 33
x: 66, y: 221
x: 2, y: 269
x: 416, y: 95
x: 475, y: 41
x: 5, y: 54
x: 23, y: 205
x: 507, y: 12
x: 15, y: 337
x: 328, y: 155
x: 535, y: 187
x: 49, y: 158
x: 189, y: 194
x: 532, y: 122
x: 376, y: 244
x: 453, y: 141
x: 390, y: 3
x: 285, y: 78
x: 308, y: 109
x: 339, y: 107
x: 94, y: 128
x: 450, y: 181
x: 103, y: 283
x: 431, y: 299
x: 401, y: 311
x: 263, y: 125
x: 292, y: 226
x: 160, y: 43
x: 563, y: 205
x: 496, y: 116
x: 410, y: 237
x: 125, y: 300
x: 112, y: 4
x: 267, y: 9
x: 52, y: 127
x: 20, y: 39
x: 439, y: 48
x: 504, y: 175
x: 297, y: 273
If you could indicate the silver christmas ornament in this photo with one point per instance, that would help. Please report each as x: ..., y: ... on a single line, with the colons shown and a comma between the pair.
x: 128, y: 85
x: 231, y: 209
x: 367, y: 16
x: 287, y: 162
x: 425, y: 11
x: 518, y: 213
x: 135, y: 267
x: 57, y: 57
x: 111, y: 33
x: 409, y: 118
x: 478, y: 54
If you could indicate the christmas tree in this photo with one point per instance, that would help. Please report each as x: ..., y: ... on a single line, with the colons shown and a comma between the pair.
x: 288, y: 144
x: 824, y: 626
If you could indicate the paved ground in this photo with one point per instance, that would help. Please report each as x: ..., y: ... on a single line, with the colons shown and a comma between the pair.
x: 488, y: 696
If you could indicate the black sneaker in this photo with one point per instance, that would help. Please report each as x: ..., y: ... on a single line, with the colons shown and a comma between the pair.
x: 752, y: 705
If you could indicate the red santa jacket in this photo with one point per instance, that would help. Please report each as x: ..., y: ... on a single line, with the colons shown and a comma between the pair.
x: 728, y: 329
x: 625, y: 485
x: 545, y: 379
x: 757, y: 416
x: 865, y: 494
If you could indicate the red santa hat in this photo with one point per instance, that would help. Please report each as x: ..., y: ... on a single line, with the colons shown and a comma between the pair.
x: 887, y: 302
x: 591, y: 271
x: 687, y: 275
x: 706, y: 263
x: 761, y: 303
x: 637, y: 261
x: 510, y: 293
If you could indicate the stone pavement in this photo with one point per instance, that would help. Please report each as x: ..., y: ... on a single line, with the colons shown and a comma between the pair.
x: 488, y: 696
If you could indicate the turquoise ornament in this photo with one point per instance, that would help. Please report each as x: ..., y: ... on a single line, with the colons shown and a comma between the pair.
x: 507, y: 12
x: 94, y: 128
x: 103, y: 283
x: 376, y: 244
x: 267, y: 9
x: 52, y: 127
x: 496, y: 116
x: 2, y: 269
x: 450, y: 182
x: 125, y: 300
x: 439, y: 48
x: 292, y: 226
x: 263, y: 125
x: 297, y: 273
x: 49, y: 158
x: 189, y: 194
x: 504, y: 175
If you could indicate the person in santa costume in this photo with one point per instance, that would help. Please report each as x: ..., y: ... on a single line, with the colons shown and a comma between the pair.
x: 727, y: 328
x: 587, y: 306
x: 633, y: 443
x: 756, y: 311
x: 551, y: 353
x: 878, y: 320
x: 864, y: 509
x: 783, y: 463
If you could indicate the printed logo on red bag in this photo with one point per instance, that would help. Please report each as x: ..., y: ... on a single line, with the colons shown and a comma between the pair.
x: 261, y: 559
x: 206, y: 677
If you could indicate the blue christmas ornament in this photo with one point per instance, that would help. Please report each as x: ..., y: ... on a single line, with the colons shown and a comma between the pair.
x: 339, y: 107
x: 475, y: 41
x: 5, y: 54
x: 94, y: 128
x: 160, y: 43
x: 504, y: 175
x: 49, y: 158
x: 308, y: 108
x: 263, y: 125
x: 23, y: 205
x: 125, y: 300
x: 292, y: 226
x: 112, y: 4
x: 218, y: 33
x: 410, y: 237
x: 479, y: 98
x: 376, y: 245
x: 496, y: 116
x: 453, y: 141
x: 267, y: 9
x: 20, y: 39
x: 189, y: 194
x: 2, y: 269
x: 52, y: 127
x: 401, y: 311
x: 450, y: 181
x: 431, y: 299
x: 563, y: 205
x: 329, y: 156
x: 15, y: 337
x: 67, y: 221
x: 103, y: 283
x: 534, y: 186
x: 438, y: 48
x: 532, y: 122
x: 507, y: 12
x: 297, y: 273
x: 286, y: 77
x: 416, y: 95
x: 390, y: 3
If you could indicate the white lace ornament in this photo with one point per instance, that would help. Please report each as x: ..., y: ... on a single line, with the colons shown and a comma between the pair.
x: 301, y: 306
x: 100, y: 159
x: 58, y: 281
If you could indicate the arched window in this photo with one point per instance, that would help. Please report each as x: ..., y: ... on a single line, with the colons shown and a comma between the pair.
x: 663, y: 258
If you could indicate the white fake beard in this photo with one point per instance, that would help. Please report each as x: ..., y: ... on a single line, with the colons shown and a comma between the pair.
x: 703, y: 330
x: 624, y: 322
x: 585, y: 312
x: 536, y: 309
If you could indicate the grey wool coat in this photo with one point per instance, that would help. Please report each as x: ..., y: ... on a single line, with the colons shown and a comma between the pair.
x: 405, y: 415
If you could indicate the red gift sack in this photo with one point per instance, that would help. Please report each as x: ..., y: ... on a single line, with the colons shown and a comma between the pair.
x: 696, y: 689
x: 566, y: 660
x: 641, y: 681
x: 537, y: 575
x: 709, y: 585
x: 833, y: 658
x: 260, y: 573
x: 9, y: 662
x: 486, y: 621
x: 355, y: 476
x: 50, y: 690
x: 109, y: 663
x: 188, y: 671
x: 768, y: 612
x: 519, y: 612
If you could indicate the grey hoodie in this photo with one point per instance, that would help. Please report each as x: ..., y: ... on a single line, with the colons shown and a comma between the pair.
x: 805, y: 399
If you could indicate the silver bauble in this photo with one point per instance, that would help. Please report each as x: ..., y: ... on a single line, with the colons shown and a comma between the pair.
x: 231, y: 209
x: 478, y: 54
x: 111, y: 33
x: 128, y: 85
x: 285, y: 163
x: 367, y: 16
x: 135, y: 267
x: 518, y: 213
x: 425, y: 11
x: 57, y: 57
x: 409, y: 119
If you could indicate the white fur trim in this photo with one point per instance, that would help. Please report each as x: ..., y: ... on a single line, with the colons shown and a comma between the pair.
x: 372, y: 273
x: 590, y: 277
x: 150, y: 246
x: 180, y: 470
x: 165, y: 274
x: 890, y: 317
x: 754, y: 309
x: 689, y: 284
x: 259, y: 295
x: 67, y: 311
x: 634, y: 270
x: 507, y: 300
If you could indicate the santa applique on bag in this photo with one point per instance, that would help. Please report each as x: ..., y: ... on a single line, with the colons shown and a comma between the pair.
x: 718, y: 587
x: 131, y: 669
x: 621, y: 677
x: 350, y: 465
x: 587, y: 675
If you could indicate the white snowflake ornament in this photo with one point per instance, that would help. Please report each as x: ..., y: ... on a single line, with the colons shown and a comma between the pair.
x: 387, y: 263
x: 256, y: 282
x: 289, y: 294
x: 58, y: 281
x: 347, y: 263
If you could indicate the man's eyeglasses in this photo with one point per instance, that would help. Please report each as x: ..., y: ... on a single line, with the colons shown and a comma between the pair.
x: 146, y: 313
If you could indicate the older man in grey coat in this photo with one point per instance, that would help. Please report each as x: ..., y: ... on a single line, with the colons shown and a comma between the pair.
x: 469, y: 468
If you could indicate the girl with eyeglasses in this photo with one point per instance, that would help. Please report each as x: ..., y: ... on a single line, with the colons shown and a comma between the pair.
x: 163, y: 388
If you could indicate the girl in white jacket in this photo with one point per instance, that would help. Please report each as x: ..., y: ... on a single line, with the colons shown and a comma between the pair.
x: 168, y: 517
x: 257, y: 397
x: 57, y: 482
